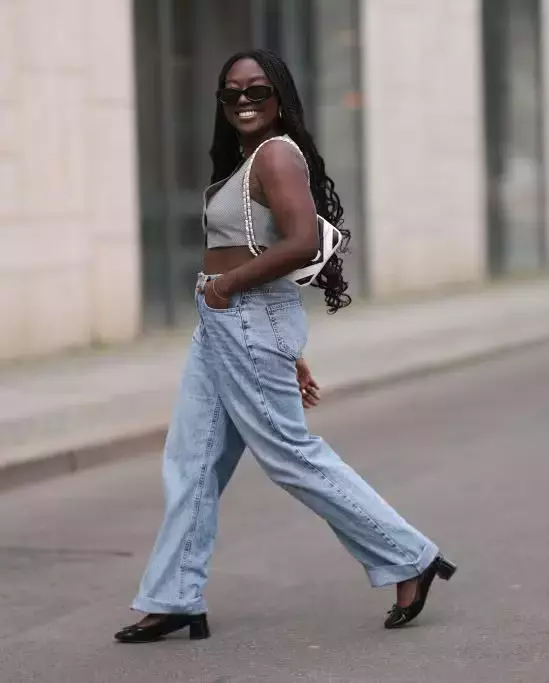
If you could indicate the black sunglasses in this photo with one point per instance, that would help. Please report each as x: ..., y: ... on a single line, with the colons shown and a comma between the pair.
x: 254, y: 93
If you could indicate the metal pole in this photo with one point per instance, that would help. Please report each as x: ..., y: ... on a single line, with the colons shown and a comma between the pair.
x: 167, y: 137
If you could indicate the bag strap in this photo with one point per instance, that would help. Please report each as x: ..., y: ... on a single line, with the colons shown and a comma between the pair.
x: 248, y: 222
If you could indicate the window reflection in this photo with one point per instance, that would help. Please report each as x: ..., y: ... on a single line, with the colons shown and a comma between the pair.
x: 514, y: 137
x: 180, y: 47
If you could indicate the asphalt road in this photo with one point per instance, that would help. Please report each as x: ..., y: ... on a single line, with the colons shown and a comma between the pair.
x: 464, y: 456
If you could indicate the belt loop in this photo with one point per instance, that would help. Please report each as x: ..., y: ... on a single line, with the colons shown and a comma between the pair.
x: 201, y: 282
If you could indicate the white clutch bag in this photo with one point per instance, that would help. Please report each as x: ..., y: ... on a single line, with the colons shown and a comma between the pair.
x: 329, y: 237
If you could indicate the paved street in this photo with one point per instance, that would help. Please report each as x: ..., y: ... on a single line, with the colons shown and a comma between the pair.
x: 464, y: 455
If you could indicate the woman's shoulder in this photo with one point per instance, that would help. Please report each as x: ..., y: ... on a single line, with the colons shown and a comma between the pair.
x: 280, y: 155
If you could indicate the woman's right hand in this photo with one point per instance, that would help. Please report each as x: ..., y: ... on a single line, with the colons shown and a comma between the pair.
x: 213, y: 299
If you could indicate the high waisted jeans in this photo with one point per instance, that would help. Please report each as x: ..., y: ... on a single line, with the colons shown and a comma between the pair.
x: 240, y: 389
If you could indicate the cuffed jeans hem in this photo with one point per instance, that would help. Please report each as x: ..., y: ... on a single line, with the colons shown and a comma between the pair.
x: 144, y: 604
x: 392, y: 574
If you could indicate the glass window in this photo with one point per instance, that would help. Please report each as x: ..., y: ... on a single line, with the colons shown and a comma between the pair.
x: 151, y: 175
x: 319, y: 39
x: 513, y: 111
x: 338, y: 117
x: 180, y: 48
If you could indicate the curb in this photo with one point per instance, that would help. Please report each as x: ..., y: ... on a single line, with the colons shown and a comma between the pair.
x: 76, y: 460
x: 79, y: 459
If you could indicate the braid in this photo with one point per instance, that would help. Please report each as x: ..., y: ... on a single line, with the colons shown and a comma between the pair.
x: 225, y: 156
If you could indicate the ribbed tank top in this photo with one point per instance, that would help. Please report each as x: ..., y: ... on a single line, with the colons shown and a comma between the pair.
x: 223, y: 217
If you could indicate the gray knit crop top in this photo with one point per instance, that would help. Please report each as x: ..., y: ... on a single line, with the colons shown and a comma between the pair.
x: 223, y: 217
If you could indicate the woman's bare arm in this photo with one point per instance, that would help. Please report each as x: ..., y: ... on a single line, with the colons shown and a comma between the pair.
x: 282, y: 178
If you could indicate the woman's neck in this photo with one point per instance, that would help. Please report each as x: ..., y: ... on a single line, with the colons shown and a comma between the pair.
x: 251, y: 142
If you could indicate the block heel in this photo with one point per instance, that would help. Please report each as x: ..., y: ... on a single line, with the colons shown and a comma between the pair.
x: 400, y: 616
x: 163, y: 626
x: 199, y: 628
x: 445, y: 569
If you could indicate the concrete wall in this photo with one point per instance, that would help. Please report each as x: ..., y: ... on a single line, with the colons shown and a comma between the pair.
x: 422, y: 70
x: 69, y: 250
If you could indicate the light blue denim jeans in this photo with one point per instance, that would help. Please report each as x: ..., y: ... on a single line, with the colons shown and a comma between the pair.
x: 240, y: 389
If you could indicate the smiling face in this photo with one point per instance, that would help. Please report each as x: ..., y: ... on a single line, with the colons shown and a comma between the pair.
x: 250, y: 118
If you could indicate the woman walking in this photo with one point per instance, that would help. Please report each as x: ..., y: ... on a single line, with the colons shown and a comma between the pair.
x: 240, y: 387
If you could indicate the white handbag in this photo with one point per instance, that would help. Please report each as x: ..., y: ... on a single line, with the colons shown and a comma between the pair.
x: 329, y: 237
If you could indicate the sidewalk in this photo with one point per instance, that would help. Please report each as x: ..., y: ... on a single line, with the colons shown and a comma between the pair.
x: 64, y: 413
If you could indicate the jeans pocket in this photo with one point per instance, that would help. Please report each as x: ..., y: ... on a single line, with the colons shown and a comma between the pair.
x: 289, y: 323
x: 231, y: 310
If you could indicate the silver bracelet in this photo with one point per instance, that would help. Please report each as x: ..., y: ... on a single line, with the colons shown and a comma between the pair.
x: 219, y: 295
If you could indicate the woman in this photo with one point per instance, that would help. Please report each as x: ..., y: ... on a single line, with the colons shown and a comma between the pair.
x: 240, y: 386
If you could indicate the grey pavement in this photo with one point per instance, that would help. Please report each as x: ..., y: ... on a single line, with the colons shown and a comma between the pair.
x: 463, y: 455
x: 60, y: 414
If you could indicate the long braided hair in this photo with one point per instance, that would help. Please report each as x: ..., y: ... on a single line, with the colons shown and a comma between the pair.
x: 225, y: 155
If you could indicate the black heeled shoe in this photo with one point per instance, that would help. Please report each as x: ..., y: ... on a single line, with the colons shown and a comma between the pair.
x: 400, y: 616
x: 165, y: 624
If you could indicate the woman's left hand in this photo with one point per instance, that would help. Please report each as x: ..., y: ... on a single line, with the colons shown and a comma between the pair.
x: 213, y: 299
x: 310, y: 391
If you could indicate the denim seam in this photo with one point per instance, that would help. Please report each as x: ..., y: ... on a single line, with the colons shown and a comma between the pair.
x: 197, y: 498
x: 375, y: 526
x: 198, y: 333
x: 167, y: 607
x: 284, y: 305
x: 231, y: 311
x: 313, y: 468
x: 282, y: 345
x: 244, y: 324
